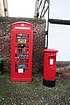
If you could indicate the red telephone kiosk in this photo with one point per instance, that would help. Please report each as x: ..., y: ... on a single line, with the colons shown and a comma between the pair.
x: 21, y: 51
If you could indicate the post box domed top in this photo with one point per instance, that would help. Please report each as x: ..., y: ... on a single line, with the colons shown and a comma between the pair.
x: 50, y: 51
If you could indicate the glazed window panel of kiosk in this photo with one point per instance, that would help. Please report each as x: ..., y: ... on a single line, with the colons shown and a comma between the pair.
x: 25, y: 56
x: 22, y: 36
x: 22, y: 51
x: 23, y: 60
x: 21, y: 68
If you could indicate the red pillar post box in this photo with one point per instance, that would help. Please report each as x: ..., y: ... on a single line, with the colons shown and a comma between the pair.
x: 21, y: 51
x: 49, y: 75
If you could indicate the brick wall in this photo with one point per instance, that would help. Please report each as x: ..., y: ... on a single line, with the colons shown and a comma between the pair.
x: 63, y: 68
x: 38, y: 40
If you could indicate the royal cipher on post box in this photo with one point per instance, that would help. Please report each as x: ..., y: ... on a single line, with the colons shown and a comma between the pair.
x: 21, y: 51
x: 49, y: 73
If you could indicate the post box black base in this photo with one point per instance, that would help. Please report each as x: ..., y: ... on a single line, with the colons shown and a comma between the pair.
x: 49, y: 83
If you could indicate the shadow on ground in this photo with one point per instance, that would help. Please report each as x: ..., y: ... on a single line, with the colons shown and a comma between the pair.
x: 33, y: 93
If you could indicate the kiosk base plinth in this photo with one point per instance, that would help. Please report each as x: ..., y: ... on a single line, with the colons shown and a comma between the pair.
x: 49, y: 83
x: 21, y: 79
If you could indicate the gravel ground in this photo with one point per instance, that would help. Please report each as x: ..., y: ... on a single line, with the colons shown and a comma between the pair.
x: 33, y: 93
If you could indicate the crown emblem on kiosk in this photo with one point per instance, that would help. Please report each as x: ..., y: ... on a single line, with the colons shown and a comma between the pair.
x: 22, y: 24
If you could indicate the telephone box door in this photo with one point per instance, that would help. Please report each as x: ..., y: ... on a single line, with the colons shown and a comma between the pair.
x: 21, y: 51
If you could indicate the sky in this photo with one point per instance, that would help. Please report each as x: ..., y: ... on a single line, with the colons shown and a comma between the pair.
x: 59, y: 35
x: 26, y: 8
x: 21, y: 8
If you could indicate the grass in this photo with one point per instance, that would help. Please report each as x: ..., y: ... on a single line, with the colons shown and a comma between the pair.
x: 33, y: 93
